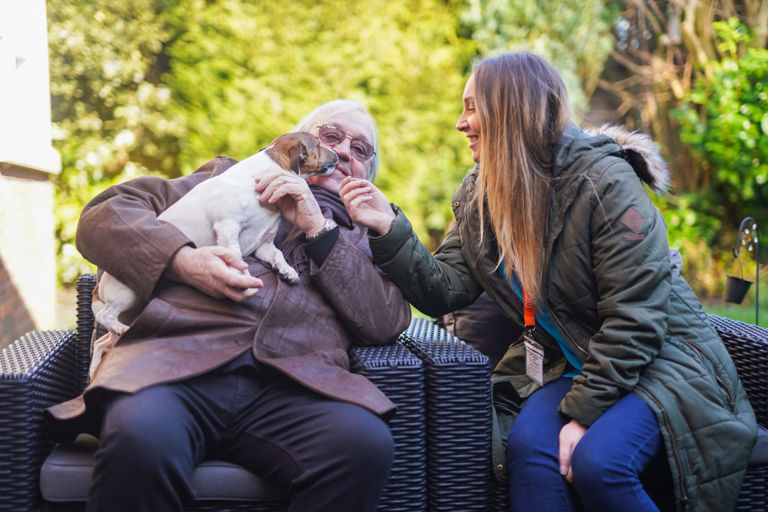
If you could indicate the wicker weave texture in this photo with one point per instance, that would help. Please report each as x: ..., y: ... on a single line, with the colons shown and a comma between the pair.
x: 753, y: 496
x: 85, y: 324
x: 198, y: 506
x: 400, y: 375
x: 458, y: 419
x: 748, y: 346
x: 35, y: 372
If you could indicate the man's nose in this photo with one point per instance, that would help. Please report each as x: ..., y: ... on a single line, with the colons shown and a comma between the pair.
x: 342, y: 149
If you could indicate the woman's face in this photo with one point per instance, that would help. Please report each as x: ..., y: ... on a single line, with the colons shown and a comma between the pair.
x: 469, y: 122
x: 355, y: 125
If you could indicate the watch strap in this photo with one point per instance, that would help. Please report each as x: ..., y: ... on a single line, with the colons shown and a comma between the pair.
x: 329, y: 225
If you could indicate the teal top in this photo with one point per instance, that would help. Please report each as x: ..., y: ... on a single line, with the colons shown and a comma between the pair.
x: 544, y: 321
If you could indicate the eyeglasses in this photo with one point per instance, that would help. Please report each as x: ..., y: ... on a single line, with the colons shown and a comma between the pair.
x: 361, y: 150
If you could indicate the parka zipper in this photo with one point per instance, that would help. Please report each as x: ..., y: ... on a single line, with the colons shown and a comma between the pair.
x: 720, y: 381
x: 552, y: 314
x: 565, y: 334
x: 673, y: 442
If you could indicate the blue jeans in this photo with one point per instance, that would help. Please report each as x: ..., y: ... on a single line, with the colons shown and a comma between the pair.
x: 616, y: 465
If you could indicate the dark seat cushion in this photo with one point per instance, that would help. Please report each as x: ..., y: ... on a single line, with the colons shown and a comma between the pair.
x: 760, y: 451
x: 66, y: 475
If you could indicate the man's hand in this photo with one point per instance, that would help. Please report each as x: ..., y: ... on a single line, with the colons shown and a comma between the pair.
x: 367, y: 205
x: 570, y: 435
x: 216, y: 271
x: 291, y: 193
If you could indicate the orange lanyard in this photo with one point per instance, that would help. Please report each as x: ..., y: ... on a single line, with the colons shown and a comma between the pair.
x: 529, y: 314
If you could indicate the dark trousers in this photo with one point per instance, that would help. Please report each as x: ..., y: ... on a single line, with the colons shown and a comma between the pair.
x: 333, y: 456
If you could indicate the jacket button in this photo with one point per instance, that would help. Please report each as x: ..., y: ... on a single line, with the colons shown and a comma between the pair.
x: 499, y: 467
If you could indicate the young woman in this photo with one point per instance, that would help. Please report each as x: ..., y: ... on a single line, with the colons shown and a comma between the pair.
x: 618, y: 376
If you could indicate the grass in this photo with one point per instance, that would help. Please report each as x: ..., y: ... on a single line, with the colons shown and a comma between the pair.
x: 744, y: 312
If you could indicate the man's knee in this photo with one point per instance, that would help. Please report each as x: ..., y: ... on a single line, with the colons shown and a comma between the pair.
x: 361, y: 439
x: 145, y: 440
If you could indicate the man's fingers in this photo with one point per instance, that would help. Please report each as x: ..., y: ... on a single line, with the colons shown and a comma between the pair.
x: 241, y: 280
x: 356, y: 202
x: 240, y: 294
x: 231, y: 258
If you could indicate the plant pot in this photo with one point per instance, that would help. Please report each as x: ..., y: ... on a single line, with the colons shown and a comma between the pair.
x: 736, y: 289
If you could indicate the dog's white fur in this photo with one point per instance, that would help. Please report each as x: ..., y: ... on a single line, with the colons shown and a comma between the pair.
x: 224, y: 210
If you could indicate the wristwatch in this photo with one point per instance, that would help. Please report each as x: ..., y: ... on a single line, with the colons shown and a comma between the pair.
x: 327, y: 226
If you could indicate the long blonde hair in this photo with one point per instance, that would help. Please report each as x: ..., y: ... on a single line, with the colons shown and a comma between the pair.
x: 522, y: 105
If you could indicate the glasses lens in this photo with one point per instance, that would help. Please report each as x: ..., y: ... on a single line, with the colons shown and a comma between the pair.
x: 361, y: 150
x: 330, y: 135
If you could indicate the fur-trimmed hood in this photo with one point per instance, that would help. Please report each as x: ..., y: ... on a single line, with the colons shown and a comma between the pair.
x: 641, y: 153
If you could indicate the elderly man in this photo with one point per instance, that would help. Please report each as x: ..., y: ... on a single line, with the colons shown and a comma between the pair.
x: 261, y: 379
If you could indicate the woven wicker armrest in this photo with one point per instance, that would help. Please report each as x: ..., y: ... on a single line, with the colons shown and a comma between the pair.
x: 748, y: 346
x: 458, y: 419
x: 36, y: 371
x: 400, y: 375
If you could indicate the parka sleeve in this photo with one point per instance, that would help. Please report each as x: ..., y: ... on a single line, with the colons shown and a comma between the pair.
x: 119, y: 231
x: 434, y: 285
x: 632, y: 278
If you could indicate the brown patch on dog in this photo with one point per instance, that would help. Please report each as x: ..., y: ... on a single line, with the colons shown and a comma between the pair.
x: 300, y: 152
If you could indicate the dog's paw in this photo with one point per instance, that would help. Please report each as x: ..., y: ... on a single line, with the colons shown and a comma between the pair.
x: 290, y: 276
x: 111, y: 323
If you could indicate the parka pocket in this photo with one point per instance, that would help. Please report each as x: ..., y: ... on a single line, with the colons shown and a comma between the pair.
x: 712, y: 369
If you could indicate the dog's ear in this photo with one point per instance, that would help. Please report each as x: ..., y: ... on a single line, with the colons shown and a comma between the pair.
x: 298, y: 155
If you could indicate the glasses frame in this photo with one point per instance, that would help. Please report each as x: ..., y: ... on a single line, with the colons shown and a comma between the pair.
x: 351, y: 138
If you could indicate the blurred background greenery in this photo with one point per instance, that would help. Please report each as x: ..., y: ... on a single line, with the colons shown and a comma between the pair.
x: 161, y: 86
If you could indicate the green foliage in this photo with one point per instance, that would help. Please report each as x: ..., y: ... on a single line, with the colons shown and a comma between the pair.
x: 243, y: 72
x: 574, y: 35
x: 725, y: 122
x: 159, y: 86
x: 109, y: 120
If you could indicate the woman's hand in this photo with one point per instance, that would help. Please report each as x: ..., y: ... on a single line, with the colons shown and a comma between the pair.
x: 367, y: 205
x: 570, y: 435
x: 291, y: 194
x: 216, y: 271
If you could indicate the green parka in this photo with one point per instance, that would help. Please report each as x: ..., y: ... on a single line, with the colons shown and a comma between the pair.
x: 616, y: 298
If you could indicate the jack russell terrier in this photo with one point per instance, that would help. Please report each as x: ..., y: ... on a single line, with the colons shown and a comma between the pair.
x: 224, y: 210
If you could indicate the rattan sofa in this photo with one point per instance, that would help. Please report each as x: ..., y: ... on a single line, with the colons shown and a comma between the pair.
x: 442, y: 428
x: 46, y: 367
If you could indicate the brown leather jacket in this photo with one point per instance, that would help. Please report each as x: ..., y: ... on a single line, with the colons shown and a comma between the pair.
x: 301, y: 330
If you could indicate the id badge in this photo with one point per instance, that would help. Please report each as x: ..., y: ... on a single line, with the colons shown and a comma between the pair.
x: 534, y: 360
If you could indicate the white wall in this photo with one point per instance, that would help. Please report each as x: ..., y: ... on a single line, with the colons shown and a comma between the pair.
x: 27, y: 161
x: 25, y: 104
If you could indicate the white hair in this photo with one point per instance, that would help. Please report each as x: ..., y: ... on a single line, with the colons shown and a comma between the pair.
x: 326, y: 113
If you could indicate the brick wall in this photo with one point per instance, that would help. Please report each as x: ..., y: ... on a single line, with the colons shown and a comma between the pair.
x: 27, y: 160
x: 27, y: 252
